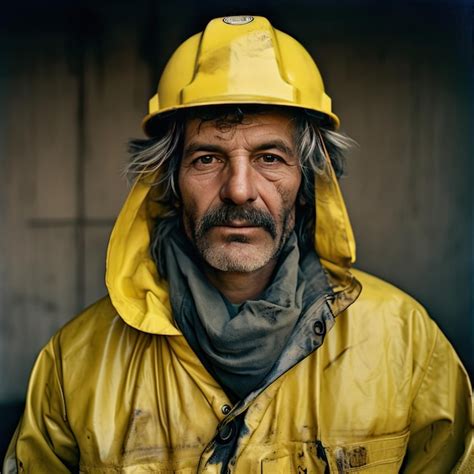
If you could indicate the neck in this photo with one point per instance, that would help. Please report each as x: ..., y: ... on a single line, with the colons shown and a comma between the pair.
x: 238, y: 287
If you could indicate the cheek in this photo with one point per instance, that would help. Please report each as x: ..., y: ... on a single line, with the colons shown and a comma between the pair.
x: 288, y: 193
x: 188, y: 208
x: 287, y: 198
x: 195, y: 193
x: 187, y: 190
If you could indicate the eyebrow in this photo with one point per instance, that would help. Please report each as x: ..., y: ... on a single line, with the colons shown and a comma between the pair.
x: 277, y: 144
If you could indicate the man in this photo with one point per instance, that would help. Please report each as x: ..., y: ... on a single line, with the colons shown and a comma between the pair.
x: 235, y: 337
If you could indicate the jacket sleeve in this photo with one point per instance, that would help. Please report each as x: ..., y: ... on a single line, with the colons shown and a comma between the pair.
x: 441, y: 422
x: 43, y: 441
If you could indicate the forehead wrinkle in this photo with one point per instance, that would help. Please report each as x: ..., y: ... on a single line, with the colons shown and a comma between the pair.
x: 204, y: 135
x: 277, y: 144
x: 193, y: 147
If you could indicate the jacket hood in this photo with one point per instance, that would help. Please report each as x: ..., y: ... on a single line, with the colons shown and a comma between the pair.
x: 140, y: 295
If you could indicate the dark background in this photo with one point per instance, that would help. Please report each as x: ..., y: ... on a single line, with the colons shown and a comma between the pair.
x: 75, y: 78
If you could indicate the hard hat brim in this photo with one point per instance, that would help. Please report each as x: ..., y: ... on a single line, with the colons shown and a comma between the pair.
x: 152, y: 123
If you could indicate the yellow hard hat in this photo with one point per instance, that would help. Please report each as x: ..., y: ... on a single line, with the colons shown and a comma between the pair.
x: 240, y: 60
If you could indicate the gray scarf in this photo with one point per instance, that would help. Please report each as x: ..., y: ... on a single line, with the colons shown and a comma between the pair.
x: 239, y: 347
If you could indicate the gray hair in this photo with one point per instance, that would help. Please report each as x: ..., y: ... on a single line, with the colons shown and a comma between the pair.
x: 158, y: 159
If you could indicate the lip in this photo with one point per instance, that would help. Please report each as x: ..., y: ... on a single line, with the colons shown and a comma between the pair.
x: 239, y: 228
x: 238, y: 225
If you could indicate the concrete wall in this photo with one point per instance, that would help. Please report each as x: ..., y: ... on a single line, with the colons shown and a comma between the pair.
x: 74, y: 86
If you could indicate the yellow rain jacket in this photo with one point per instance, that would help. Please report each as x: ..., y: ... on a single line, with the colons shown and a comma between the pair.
x: 118, y: 389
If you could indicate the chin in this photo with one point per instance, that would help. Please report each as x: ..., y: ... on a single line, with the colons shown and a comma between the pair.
x: 238, y: 259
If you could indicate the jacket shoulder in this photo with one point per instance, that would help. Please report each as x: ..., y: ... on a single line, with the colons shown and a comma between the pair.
x: 380, y: 296
x: 90, y: 329
x: 386, y: 317
x: 100, y: 312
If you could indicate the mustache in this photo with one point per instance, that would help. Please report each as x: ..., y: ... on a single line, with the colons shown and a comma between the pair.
x: 227, y: 213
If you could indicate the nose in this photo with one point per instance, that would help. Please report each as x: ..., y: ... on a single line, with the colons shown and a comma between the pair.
x: 239, y: 186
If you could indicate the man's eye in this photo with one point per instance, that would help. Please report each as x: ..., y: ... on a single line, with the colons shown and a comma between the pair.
x: 205, y: 160
x: 271, y: 159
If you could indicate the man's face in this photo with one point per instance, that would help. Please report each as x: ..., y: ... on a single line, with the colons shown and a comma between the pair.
x: 239, y: 184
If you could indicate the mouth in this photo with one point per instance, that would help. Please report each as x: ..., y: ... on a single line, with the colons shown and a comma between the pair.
x: 238, y: 231
x: 238, y: 225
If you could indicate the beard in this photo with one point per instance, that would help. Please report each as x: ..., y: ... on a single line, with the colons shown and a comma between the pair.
x: 236, y: 252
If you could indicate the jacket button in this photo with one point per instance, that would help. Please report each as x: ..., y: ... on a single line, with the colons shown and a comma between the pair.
x: 225, y: 409
x: 226, y: 432
x: 318, y: 328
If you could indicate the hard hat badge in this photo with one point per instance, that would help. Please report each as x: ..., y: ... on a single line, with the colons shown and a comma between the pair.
x: 238, y: 20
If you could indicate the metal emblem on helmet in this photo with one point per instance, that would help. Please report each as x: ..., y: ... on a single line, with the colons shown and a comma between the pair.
x: 238, y: 20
